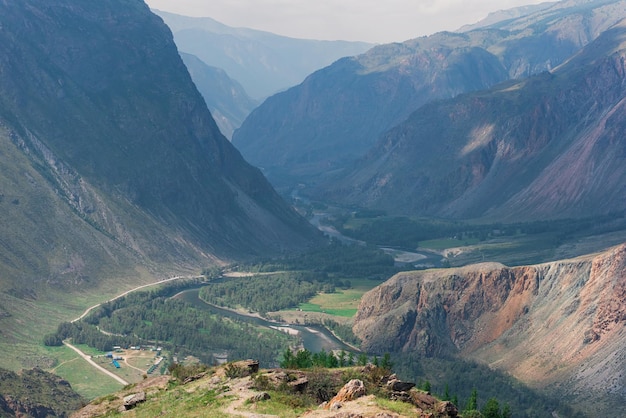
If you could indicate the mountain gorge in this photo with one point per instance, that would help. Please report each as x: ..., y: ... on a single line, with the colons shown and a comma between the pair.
x: 115, y: 175
x: 112, y: 165
x: 129, y: 122
x: 337, y: 114
x: 558, y: 326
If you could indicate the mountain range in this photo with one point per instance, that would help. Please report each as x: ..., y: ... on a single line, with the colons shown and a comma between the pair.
x: 263, y: 63
x: 318, y: 129
x: 114, y: 173
x: 549, y: 146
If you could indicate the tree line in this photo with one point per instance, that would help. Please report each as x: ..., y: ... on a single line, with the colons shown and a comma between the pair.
x: 478, y: 388
x: 334, y: 260
x: 408, y: 232
x: 265, y: 293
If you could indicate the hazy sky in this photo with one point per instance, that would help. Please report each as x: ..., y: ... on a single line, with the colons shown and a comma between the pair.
x: 377, y: 21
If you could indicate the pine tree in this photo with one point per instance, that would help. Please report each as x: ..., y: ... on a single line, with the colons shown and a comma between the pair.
x: 506, y: 411
x: 491, y: 409
x: 386, y: 362
x: 362, y: 359
x: 472, y: 402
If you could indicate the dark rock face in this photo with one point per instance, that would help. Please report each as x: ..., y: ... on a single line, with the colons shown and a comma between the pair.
x: 259, y: 397
x: 547, y: 147
x: 338, y: 113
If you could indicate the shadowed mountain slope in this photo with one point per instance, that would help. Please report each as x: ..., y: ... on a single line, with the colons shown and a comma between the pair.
x: 226, y: 99
x: 112, y: 166
x: 337, y: 114
x: 557, y: 326
x: 547, y: 147
x: 126, y: 118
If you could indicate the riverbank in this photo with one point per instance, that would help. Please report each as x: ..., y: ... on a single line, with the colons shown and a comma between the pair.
x: 315, y: 337
x: 287, y: 326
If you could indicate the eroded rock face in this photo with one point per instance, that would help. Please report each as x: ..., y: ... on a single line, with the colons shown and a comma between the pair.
x: 553, y: 322
x: 438, y: 312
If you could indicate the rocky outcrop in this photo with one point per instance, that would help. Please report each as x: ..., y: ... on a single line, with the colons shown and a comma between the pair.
x: 132, y: 400
x: 562, y: 322
x: 350, y: 391
x: 36, y: 393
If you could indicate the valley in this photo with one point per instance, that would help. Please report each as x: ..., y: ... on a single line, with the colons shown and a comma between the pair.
x: 449, y: 211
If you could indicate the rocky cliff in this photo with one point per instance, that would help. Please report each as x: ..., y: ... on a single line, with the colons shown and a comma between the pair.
x: 559, y: 326
x: 37, y: 394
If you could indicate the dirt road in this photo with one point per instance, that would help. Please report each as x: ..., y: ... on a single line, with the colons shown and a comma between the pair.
x: 87, y: 357
x: 130, y: 291
x: 97, y: 366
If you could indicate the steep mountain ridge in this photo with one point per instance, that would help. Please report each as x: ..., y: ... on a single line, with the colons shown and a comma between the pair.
x: 113, y: 171
x: 128, y: 120
x: 545, y: 147
x: 338, y: 113
x: 226, y: 98
x: 557, y: 325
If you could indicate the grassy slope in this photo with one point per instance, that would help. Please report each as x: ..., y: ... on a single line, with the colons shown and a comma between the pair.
x: 227, y: 395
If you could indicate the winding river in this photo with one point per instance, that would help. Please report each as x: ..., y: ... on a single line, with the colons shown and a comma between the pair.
x: 315, y: 338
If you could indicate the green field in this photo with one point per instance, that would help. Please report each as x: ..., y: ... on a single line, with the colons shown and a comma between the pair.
x: 343, y: 303
x: 84, y: 378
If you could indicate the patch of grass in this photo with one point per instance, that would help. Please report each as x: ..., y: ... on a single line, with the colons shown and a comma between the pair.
x: 312, y: 307
x: 397, y: 407
x: 343, y: 303
x: 284, y: 405
x: 84, y: 378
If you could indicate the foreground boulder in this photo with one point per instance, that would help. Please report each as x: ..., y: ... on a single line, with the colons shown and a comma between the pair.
x: 352, y: 390
x: 132, y: 400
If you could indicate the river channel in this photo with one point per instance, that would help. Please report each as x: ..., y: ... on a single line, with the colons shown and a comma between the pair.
x: 314, y: 338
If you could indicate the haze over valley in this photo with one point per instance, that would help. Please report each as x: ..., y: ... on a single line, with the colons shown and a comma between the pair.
x: 441, y: 219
